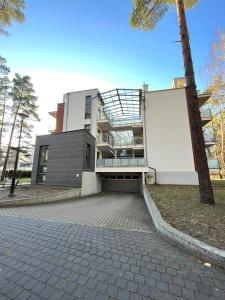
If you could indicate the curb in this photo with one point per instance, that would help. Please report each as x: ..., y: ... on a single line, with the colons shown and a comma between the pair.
x: 60, y: 196
x: 196, y: 247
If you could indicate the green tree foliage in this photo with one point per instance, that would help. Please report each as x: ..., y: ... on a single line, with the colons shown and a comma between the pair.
x: 216, y: 71
x: 4, y: 99
x: 216, y: 65
x: 23, y: 101
x: 147, y: 13
x: 10, y: 10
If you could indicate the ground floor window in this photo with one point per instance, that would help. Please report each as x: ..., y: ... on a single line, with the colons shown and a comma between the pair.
x: 42, y: 164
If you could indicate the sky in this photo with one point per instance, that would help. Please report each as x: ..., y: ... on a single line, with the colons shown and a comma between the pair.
x: 82, y: 44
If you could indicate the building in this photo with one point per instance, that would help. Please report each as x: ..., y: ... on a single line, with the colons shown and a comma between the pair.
x: 114, y: 141
x: 25, y: 158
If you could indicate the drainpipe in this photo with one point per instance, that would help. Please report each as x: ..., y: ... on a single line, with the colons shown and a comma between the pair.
x: 145, y: 136
x: 154, y: 173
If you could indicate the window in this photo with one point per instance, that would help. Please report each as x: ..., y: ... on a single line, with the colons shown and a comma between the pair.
x: 87, y: 127
x: 88, y: 156
x: 42, y: 164
x: 88, y: 107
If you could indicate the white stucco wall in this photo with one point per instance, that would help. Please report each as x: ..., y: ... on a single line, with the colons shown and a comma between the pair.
x: 91, y: 183
x: 168, y: 140
x: 74, y: 111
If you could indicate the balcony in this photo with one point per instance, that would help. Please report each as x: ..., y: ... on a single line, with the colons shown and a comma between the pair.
x: 129, y: 142
x: 206, y: 116
x: 202, y: 98
x: 213, y: 164
x: 121, y: 162
x: 120, y: 123
x: 104, y: 124
x: 130, y: 121
x: 210, y: 138
x: 105, y: 141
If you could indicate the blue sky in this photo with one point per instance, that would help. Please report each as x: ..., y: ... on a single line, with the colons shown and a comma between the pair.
x: 80, y: 44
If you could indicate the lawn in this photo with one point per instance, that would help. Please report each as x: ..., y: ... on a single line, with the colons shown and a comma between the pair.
x: 21, y: 180
x: 180, y: 206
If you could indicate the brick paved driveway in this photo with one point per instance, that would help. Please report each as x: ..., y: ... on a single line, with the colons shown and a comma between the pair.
x: 52, y: 260
x: 125, y: 211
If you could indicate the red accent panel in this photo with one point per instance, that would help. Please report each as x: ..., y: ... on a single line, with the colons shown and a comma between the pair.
x: 59, y: 118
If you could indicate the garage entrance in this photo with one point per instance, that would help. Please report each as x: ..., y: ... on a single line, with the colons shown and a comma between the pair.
x: 121, y: 183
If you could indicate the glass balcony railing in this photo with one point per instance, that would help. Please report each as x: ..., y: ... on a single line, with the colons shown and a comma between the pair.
x: 123, y: 121
x: 209, y: 137
x: 128, y: 141
x: 105, y: 138
x: 206, y: 114
x: 121, y: 162
x: 213, y: 164
x: 127, y: 121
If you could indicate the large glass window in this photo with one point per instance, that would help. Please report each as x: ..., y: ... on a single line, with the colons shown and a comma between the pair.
x: 42, y: 164
x: 88, y: 107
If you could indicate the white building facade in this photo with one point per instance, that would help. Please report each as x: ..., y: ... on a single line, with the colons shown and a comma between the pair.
x: 140, y: 135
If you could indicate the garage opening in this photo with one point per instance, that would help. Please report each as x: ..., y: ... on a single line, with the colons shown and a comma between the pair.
x: 121, y: 183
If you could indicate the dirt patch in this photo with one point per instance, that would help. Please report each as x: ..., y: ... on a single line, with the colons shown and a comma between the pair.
x: 180, y: 206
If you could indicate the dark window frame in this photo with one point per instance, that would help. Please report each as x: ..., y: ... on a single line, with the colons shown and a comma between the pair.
x: 88, y: 104
x: 42, y: 163
x: 88, y: 156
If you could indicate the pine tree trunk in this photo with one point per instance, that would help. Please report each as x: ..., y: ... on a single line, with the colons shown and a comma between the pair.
x: 2, y: 122
x: 9, y: 144
x: 198, y: 143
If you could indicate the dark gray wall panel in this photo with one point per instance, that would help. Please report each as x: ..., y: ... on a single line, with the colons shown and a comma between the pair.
x: 66, y: 157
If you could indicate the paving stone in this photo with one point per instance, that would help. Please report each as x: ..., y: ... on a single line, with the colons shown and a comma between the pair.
x: 47, y: 292
x: 188, y: 294
x: 162, y: 286
x: 23, y: 296
x: 124, y: 294
x: 175, y: 290
x: 79, y: 292
x: 71, y: 261
x: 111, y: 291
x: 15, y: 292
x: 30, y: 284
x: 143, y: 290
x: 139, y: 278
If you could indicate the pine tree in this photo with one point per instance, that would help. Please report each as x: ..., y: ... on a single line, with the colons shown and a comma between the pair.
x: 146, y: 15
x: 4, y: 98
x: 24, y: 101
x: 10, y: 10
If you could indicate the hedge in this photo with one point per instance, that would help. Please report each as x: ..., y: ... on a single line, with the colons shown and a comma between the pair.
x: 19, y: 174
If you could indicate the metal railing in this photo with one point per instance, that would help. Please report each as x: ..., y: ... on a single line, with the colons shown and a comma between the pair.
x: 128, y: 141
x: 213, y: 164
x: 121, y: 162
x: 206, y: 114
x: 126, y: 121
x: 105, y: 138
x: 120, y: 122
x: 209, y: 136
